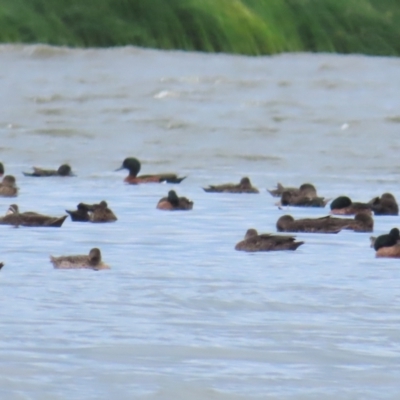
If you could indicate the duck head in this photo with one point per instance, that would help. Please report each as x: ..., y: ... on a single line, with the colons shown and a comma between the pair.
x: 286, y: 197
x: 94, y: 256
x: 250, y: 233
x: 13, y: 209
x: 64, y: 170
x: 245, y: 183
x: 1, y: 169
x: 307, y: 189
x: 132, y: 165
x: 283, y: 222
x: 173, y: 198
x: 340, y: 202
x: 9, y: 180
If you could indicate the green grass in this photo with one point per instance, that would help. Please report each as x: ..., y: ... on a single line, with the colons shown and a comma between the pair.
x: 233, y: 26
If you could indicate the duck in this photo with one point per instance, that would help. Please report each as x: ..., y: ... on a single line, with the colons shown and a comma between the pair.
x: 101, y: 213
x: 387, y: 245
x: 29, y: 218
x: 384, y: 205
x: 343, y: 205
x: 92, y: 213
x: 280, y: 189
x: 306, y: 189
x: 266, y: 242
x: 133, y: 166
x: 174, y: 203
x: 287, y: 223
x: 1, y: 169
x: 63, y: 170
x: 361, y: 223
x: 8, y: 187
x: 302, y: 199
x: 90, y: 261
x: 81, y: 213
x: 244, y: 186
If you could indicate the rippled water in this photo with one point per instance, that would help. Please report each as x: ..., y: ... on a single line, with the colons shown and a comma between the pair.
x: 181, y: 315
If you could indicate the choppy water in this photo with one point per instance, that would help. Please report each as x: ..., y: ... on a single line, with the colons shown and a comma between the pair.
x: 181, y: 315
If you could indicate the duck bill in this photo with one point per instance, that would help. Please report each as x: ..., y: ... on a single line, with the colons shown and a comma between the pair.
x: 120, y: 168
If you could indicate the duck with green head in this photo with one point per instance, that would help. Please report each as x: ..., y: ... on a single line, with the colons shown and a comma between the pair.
x: 244, y: 186
x: 343, y: 205
x: 133, y: 166
x: 174, y: 203
x: 387, y: 245
x: 266, y: 242
x: 91, y: 261
x: 63, y: 170
x: 8, y: 187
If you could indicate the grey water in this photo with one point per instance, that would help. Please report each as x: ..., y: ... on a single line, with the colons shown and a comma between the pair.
x: 181, y: 314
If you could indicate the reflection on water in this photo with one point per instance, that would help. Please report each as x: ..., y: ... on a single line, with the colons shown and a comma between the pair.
x: 181, y: 314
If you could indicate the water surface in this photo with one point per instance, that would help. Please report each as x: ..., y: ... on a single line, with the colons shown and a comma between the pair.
x: 182, y: 315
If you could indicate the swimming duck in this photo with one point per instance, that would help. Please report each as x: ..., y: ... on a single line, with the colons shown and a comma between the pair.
x: 8, y: 187
x: 81, y: 213
x: 29, y: 218
x: 90, y: 261
x: 266, y: 242
x: 280, y: 189
x: 63, y: 170
x: 361, y: 223
x: 133, y: 166
x: 306, y: 189
x: 101, y: 213
x: 342, y: 205
x: 244, y: 186
x: 387, y: 245
x: 387, y: 240
x: 384, y: 205
x: 173, y: 203
x: 287, y: 223
x: 302, y: 200
x: 1, y: 169
x: 92, y: 213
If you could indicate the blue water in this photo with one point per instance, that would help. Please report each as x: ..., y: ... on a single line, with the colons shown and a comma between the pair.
x: 181, y: 314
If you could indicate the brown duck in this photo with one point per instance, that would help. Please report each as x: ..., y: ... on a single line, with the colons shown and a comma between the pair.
x: 266, y: 242
x: 90, y: 261
x: 63, y: 170
x: 361, y: 223
x: 8, y: 187
x: 287, y: 223
x: 92, y: 213
x: 384, y: 205
x: 244, y: 186
x: 29, y: 218
x: 306, y: 189
x: 174, y: 203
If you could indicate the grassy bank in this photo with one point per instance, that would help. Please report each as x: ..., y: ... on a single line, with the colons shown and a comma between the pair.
x: 232, y: 26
